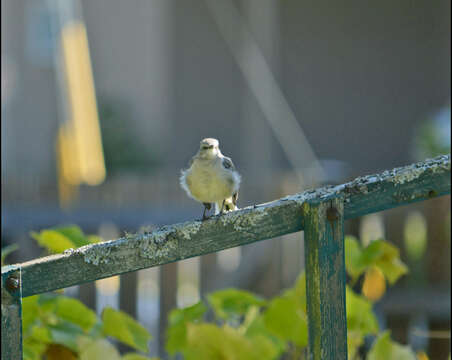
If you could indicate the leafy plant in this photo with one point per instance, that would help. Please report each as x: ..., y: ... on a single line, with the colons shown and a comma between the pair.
x: 60, y: 327
x: 246, y: 326
x: 61, y: 238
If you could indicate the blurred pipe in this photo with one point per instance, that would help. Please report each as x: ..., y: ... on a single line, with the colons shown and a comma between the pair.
x: 79, y: 150
x: 84, y: 121
x: 262, y: 83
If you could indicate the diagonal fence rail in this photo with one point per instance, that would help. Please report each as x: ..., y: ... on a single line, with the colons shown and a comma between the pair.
x: 320, y: 212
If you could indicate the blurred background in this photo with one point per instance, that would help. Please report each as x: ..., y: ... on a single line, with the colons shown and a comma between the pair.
x: 104, y: 101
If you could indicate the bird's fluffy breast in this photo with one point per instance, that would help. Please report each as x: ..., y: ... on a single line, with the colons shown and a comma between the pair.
x: 209, y: 183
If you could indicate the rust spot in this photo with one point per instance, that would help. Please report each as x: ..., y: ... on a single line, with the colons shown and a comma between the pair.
x: 332, y: 214
x: 12, y: 283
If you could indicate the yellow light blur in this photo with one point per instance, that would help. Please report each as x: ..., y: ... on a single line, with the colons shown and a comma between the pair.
x: 108, y: 286
x: 67, y: 172
x: 415, y: 235
x: 83, y: 132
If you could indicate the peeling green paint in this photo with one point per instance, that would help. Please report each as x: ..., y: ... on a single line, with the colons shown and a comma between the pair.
x: 325, y: 280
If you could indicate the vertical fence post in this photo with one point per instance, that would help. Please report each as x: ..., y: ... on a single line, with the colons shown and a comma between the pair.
x: 11, y: 315
x: 325, y: 279
x: 168, y: 301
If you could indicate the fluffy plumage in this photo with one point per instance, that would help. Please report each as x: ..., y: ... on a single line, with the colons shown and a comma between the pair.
x: 211, y: 178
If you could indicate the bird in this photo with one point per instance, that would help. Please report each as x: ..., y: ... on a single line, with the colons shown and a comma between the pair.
x: 211, y: 178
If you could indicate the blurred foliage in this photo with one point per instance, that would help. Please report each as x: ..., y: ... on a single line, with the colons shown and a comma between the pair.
x: 384, y: 348
x: 8, y: 250
x: 246, y: 326
x: 432, y: 137
x: 61, y: 238
x: 377, y: 259
x: 59, y: 327
x: 415, y: 236
x: 122, y: 150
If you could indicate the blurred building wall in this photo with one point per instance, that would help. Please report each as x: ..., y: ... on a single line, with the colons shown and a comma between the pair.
x: 358, y: 77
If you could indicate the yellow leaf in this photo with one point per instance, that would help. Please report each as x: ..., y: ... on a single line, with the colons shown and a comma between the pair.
x: 59, y: 352
x: 374, y: 284
x: 421, y: 355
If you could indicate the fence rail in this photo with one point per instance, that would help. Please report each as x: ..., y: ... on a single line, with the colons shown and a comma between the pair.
x: 321, y: 212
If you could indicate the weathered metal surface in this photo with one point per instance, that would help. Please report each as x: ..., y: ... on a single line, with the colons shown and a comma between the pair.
x: 325, y: 279
x: 167, y: 244
x: 11, y: 315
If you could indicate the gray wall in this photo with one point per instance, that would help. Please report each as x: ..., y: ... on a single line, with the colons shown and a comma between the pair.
x: 358, y: 76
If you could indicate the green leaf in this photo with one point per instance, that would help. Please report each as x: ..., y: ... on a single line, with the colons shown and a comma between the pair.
x: 74, y: 234
x: 390, y: 263
x: 360, y: 321
x: 190, y: 313
x: 285, y: 318
x: 360, y: 317
x: 136, y: 356
x: 65, y: 333
x: 254, y: 327
x: 94, y: 239
x: 32, y: 349
x: 354, y: 340
x: 61, y: 238
x: 125, y: 329
x: 299, y: 291
x: 230, y: 303
x: 353, y: 254
x: 53, y: 241
x: 378, y: 253
x: 98, y: 349
x: 177, y: 329
x: 207, y: 341
x: 372, y: 253
x: 30, y: 312
x: 385, y: 349
x: 41, y: 333
x: 76, y: 312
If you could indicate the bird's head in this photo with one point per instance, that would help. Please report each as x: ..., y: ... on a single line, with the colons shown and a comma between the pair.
x: 208, y: 148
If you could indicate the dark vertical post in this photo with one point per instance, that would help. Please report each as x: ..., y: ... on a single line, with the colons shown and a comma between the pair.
x: 128, y: 298
x: 168, y: 301
x: 87, y: 294
x: 208, y: 269
x: 325, y: 279
x: 128, y: 288
x: 11, y: 315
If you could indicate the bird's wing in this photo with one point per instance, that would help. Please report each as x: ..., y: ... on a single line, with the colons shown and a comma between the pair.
x: 227, y: 163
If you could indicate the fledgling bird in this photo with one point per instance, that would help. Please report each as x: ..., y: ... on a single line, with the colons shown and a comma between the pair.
x: 211, y: 178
